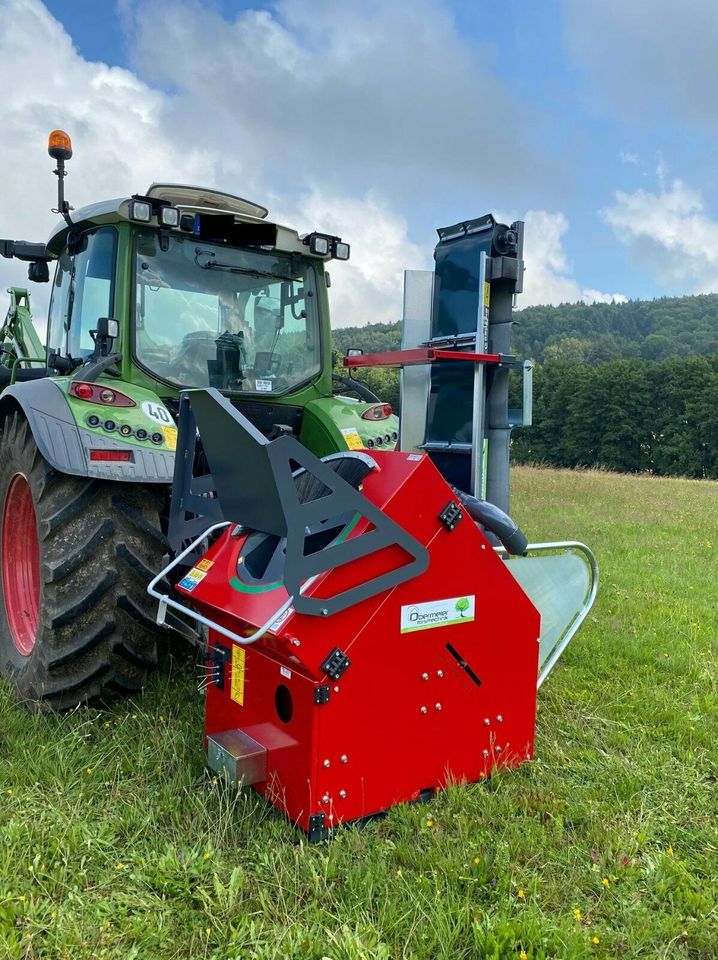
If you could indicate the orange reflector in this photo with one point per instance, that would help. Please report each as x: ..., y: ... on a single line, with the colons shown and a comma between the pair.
x: 114, y: 456
x: 59, y: 145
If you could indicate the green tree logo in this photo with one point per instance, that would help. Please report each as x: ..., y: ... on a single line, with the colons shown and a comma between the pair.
x: 462, y: 604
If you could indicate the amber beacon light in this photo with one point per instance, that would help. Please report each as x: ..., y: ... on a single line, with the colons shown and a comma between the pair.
x: 59, y: 145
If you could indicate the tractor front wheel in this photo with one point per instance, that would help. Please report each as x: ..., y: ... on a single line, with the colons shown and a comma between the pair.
x: 76, y: 554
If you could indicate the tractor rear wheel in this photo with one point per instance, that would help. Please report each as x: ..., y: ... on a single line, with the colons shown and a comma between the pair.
x: 76, y: 554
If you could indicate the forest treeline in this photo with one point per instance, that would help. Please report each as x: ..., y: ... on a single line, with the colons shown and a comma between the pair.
x: 629, y: 387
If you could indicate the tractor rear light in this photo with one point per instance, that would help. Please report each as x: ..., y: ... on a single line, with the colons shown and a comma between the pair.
x: 141, y: 434
x: 83, y: 391
x: 157, y: 438
x: 93, y: 421
x: 380, y: 411
x: 112, y: 456
x: 109, y: 425
x: 140, y: 210
x: 95, y: 393
x: 169, y: 216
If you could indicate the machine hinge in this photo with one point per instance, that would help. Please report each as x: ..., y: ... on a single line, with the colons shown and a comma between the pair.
x: 317, y: 831
x: 336, y: 663
x: 217, y: 657
x: 321, y: 693
x: 451, y: 515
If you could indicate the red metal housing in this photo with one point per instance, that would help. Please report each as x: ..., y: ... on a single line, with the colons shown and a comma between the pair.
x: 440, y: 685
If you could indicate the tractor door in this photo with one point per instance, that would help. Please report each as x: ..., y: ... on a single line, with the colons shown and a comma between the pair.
x: 83, y: 291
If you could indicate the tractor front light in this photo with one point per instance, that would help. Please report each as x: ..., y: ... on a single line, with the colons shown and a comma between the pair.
x: 341, y: 250
x: 169, y: 216
x: 140, y: 210
x: 107, y: 396
x: 319, y: 244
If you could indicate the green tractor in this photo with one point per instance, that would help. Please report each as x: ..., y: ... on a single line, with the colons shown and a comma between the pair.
x: 180, y: 287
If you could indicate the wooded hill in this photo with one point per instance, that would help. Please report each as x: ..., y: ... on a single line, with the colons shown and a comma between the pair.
x: 631, y: 387
x: 595, y: 333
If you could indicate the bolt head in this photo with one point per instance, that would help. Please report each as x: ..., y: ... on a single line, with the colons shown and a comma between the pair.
x: 440, y: 673
x: 342, y: 794
x: 343, y: 758
x: 326, y: 763
x: 423, y: 710
x: 487, y: 722
x: 498, y: 749
x: 325, y: 798
x: 437, y: 706
x: 425, y: 676
x: 499, y: 719
x: 486, y: 753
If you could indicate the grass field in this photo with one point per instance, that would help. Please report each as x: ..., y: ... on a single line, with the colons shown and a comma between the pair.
x: 115, y: 843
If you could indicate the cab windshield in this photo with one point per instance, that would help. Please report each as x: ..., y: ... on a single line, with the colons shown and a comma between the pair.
x: 207, y: 315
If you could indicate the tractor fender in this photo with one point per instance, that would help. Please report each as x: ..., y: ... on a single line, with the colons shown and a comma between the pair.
x: 66, y: 446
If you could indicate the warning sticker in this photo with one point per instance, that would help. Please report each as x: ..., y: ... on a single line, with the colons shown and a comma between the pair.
x: 170, y: 435
x: 286, y: 673
x: 438, y: 613
x: 191, y: 579
x: 205, y: 565
x: 352, y: 438
x: 236, y: 690
x: 265, y: 386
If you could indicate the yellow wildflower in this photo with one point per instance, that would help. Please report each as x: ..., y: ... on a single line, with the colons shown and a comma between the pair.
x: 430, y: 823
x: 606, y: 882
x: 119, y: 866
x: 523, y: 955
x: 520, y: 894
x: 477, y: 859
x: 595, y: 939
x: 206, y: 855
x: 669, y: 851
x: 88, y: 771
x: 577, y: 913
x: 9, y: 792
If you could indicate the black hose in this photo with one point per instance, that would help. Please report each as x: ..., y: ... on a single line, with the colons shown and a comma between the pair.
x: 364, y: 392
x: 495, y: 520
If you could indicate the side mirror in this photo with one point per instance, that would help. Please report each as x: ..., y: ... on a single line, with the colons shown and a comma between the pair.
x: 354, y: 352
x: 108, y: 329
x: 38, y: 272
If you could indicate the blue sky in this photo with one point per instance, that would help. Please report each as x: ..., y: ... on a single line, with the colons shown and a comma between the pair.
x: 384, y: 120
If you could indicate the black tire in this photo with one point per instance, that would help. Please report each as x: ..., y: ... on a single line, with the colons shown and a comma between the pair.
x: 99, y: 545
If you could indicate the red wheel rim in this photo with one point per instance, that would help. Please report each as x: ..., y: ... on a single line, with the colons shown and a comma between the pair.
x: 21, y: 565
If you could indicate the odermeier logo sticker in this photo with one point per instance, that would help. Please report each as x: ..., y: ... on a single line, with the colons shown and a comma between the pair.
x: 438, y: 613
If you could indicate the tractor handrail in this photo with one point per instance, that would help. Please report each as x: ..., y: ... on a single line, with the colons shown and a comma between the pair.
x: 587, y: 603
x: 167, y: 601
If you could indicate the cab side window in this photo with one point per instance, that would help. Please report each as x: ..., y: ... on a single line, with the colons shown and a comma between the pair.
x: 82, y: 292
x: 92, y: 288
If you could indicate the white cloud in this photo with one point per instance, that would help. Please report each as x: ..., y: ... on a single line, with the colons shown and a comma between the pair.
x: 125, y: 136
x: 669, y: 230
x: 548, y: 277
x: 369, y: 286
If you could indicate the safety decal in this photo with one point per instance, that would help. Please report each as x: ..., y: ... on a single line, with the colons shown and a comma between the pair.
x: 286, y: 673
x: 266, y: 386
x: 205, y: 565
x: 170, y: 435
x: 191, y: 579
x: 352, y: 438
x: 236, y: 689
x: 437, y: 613
x: 281, y: 620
